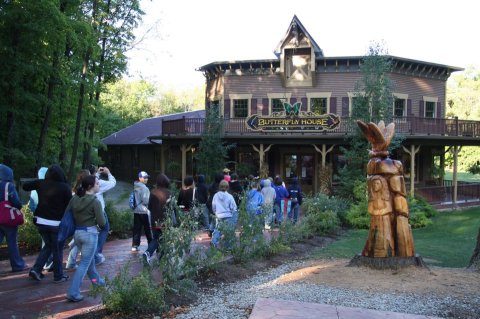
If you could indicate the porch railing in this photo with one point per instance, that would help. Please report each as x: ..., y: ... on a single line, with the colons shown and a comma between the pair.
x: 404, y: 125
x: 466, y: 192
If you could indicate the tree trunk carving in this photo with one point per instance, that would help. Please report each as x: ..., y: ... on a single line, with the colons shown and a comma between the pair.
x: 390, y: 234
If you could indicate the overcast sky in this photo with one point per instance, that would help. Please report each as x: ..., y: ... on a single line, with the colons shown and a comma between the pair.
x: 197, y: 32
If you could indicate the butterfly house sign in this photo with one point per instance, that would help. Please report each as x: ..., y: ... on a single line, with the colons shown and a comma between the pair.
x: 292, y: 119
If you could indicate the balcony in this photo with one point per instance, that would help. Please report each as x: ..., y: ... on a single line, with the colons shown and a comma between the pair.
x: 408, y: 126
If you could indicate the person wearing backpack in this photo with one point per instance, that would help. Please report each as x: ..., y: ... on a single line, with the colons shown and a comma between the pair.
x: 296, y: 199
x: 281, y: 193
x: 141, y: 214
x: 10, y: 233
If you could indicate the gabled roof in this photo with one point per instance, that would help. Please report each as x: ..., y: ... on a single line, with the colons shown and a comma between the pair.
x: 138, y: 133
x: 297, y: 28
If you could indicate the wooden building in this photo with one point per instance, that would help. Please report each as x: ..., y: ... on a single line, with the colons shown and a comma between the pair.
x: 250, y: 96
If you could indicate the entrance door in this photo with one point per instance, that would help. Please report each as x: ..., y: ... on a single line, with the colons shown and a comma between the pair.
x: 301, y: 166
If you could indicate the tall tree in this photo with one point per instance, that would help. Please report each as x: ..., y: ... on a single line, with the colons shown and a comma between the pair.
x: 373, y: 101
x: 212, y: 151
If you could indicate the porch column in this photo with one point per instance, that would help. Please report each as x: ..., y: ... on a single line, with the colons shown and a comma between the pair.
x: 324, y: 152
x: 456, y: 150
x: 163, y: 148
x: 412, y: 152
x: 184, y: 149
x: 261, y: 155
x: 323, y: 178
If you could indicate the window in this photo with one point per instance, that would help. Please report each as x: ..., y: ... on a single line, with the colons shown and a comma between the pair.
x: 400, y: 104
x: 240, y: 105
x: 319, y: 103
x: 276, y: 100
x: 430, y: 106
x: 353, y: 99
x: 240, y: 108
x: 298, y: 67
x: 277, y: 105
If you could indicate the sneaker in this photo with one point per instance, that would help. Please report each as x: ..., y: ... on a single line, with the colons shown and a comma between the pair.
x: 147, y: 259
x: 267, y: 227
x: 48, y: 266
x: 25, y: 267
x: 135, y: 248
x: 62, y: 279
x: 69, y: 266
x: 98, y: 282
x: 74, y: 299
x: 35, y: 275
x: 100, y: 260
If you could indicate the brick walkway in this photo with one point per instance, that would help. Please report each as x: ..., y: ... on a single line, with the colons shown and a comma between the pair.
x: 23, y: 297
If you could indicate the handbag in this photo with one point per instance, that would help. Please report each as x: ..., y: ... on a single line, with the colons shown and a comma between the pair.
x: 9, y: 215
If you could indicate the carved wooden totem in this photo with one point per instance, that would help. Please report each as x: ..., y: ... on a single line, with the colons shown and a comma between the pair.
x: 390, y: 233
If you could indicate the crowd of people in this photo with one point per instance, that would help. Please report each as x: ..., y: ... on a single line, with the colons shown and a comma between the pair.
x: 216, y: 207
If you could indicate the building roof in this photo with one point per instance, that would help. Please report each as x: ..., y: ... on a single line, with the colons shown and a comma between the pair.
x: 138, y: 133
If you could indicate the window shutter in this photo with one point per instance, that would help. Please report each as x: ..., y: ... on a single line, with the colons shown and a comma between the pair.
x: 439, y: 110
x: 226, y: 109
x: 345, y: 106
x: 421, y: 108
x: 409, y: 107
x: 304, y: 103
x: 253, y: 103
x: 333, y: 105
x: 265, y: 106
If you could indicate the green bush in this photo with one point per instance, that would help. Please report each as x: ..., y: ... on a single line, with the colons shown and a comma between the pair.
x: 320, y: 223
x: 127, y: 294
x: 419, y: 220
x: 419, y: 204
x: 28, y: 233
x: 321, y: 202
x: 358, y: 217
x: 121, y: 223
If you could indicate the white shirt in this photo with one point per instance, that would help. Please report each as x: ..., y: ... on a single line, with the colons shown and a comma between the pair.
x: 105, y: 186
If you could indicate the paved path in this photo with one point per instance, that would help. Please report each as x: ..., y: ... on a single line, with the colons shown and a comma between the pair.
x: 282, y: 309
x: 22, y: 297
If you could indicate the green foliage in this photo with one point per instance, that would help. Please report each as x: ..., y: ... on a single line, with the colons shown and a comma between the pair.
x: 128, y: 294
x: 28, y: 232
x: 320, y: 223
x: 321, y: 202
x: 419, y: 204
x: 463, y: 94
x: 212, y: 151
x: 121, y: 222
x: 358, y: 216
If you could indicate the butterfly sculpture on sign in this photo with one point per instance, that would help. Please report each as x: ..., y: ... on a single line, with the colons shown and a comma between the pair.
x: 292, y: 110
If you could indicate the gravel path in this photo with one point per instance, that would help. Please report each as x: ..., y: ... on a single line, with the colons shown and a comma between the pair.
x: 236, y: 299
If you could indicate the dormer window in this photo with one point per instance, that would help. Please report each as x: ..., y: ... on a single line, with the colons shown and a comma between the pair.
x: 298, y: 67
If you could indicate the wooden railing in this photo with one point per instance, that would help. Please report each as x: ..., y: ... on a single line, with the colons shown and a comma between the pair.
x: 466, y: 192
x: 403, y: 125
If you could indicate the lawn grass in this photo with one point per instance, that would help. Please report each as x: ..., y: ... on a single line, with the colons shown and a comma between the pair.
x: 448, y: 242
x: 462, y: 176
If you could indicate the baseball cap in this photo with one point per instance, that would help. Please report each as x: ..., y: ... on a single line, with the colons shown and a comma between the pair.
x: 226, y: 170
x: 143, y: 174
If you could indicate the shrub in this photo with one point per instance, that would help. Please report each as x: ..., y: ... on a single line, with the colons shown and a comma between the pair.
x: 419, y: 204
x: 132, y: 294
x: 28, y: 232
x: 321, y: 202
x: 320, y: 223
x: 121, y: 223
x: 419, y: 220
x: 357, y: 216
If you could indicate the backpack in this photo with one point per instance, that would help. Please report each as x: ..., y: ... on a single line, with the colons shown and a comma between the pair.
x: 132, y: 201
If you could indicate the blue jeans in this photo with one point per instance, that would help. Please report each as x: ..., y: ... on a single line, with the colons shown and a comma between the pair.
x: 278, y: 213
x: 223, y: 225
x: 102, y: 237
x: 293, y: 213
x: 72, y: 256
x: 156, y: 243
x: 11, y: 235
x: 50, y: 237
x: 86, y: 241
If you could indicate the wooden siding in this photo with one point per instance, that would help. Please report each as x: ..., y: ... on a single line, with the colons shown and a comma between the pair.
x: 339, y: 84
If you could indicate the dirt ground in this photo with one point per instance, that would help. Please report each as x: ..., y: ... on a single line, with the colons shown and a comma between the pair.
x: 458, y: 282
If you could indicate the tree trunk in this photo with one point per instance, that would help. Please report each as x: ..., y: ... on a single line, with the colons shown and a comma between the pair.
x: 475, y: 260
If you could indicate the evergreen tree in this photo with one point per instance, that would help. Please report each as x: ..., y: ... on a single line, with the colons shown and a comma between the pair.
x: 212, y: 151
